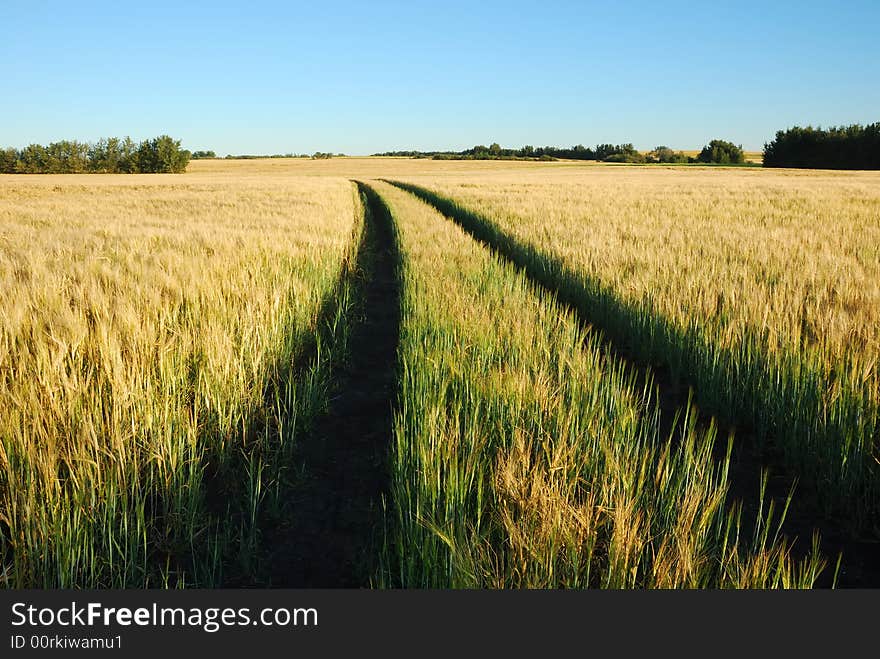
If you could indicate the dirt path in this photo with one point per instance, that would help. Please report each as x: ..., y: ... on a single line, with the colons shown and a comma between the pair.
x: 860, y: 566
x: 336, y: 513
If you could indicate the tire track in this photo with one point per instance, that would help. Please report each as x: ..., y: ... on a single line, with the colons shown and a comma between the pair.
x: 860, y: 563
x: 335, y: 523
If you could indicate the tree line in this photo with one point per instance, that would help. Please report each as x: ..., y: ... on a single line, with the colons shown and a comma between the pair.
x: 843, y: 147
x: 717, y: 151
x: 111, y: 155
x: 318, y: 155
x: 838, y: 147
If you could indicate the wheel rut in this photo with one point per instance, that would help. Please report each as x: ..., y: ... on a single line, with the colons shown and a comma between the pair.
x: 335, y: 524
x: 860, y: 562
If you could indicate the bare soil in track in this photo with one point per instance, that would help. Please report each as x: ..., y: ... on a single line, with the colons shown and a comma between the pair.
x: 335, y: 522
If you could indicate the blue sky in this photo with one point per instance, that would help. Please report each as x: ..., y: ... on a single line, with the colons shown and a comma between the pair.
x: 360, y: 77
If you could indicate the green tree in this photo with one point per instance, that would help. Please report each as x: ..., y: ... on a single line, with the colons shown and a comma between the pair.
x: 128, y: 156
x: 722, y: 152
x: 8, y: 161
x: 148, y: 157
x: 666, y: 155
x: 171, y: 158
x: 65, y: 157
x: 837, y: 147
x: 32, y: 159
x: 162, y: 155
x: 106, y: 156
x: 110, y: 155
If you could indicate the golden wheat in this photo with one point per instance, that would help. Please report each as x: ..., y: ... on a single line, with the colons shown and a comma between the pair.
x: 764, y: 286
x: 527, y: 457
x: 140, y: 321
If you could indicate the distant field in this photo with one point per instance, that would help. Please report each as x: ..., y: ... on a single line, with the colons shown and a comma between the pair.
x: 178, y: 377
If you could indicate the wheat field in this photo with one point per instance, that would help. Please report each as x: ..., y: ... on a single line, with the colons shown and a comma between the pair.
x: 144, y: 322
x: 168, y: 341
x: 762, y: 288
x: 526, y: 456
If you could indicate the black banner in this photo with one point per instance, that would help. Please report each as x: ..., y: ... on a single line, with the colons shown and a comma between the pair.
x: 411, y: 623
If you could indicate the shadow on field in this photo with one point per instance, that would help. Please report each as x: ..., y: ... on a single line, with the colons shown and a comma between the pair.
x: 333, y: 531
x: 623, y: 329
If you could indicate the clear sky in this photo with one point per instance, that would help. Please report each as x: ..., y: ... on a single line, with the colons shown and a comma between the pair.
x: 361, y: 77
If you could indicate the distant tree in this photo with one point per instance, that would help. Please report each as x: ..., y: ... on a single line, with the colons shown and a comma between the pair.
x: 65, y: 157
x: 162, y: 155
x: 105, y: 156
x: 580, y: 152
x: 661, y: 153
x: 148, y: 157
x: 110, y: 155
x: 843, y: 147
x: 128, y: 156
x: 619, y: 153
x: 664, y: 154
x: 8, y: 161
x: 719, y: 151
x: 199, y: 155
x: 602, y: 151
x: 32, y: 159
x: 172, y: 159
